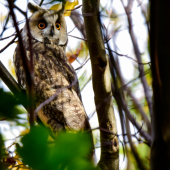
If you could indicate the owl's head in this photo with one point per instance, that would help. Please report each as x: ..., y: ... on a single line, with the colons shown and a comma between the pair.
x: 48, y: 25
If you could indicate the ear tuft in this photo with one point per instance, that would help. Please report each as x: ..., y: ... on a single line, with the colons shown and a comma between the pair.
x: 33, y: 8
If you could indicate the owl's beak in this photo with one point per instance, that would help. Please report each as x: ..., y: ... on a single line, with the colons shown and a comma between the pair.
x: 52, y: 31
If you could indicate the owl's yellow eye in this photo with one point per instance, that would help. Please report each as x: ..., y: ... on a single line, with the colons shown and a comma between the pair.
x: 57, y: 25
x: 41, y: 25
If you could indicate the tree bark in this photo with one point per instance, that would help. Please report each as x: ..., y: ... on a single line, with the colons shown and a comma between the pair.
x: 102, y: 87
x: 160, y: 58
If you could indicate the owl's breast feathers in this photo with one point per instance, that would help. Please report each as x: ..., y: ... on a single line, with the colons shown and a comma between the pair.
x: 52, y: 71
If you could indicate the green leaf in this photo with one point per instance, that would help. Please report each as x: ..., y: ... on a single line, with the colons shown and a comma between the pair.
x: 69, y: 150
x: 9, y: 106
x: 34, y: 150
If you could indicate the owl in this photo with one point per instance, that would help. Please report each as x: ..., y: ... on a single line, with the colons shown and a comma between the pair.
x: 52, y: 71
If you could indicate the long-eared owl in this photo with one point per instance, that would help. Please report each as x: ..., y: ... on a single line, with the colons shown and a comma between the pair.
x: 52, y: 71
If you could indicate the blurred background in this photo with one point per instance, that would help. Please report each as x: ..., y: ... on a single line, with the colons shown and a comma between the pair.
x: 126, y: 29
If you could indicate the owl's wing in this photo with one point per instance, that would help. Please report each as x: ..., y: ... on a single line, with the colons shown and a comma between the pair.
x: 52, y: 71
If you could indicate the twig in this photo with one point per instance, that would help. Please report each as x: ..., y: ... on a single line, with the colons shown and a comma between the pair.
x: 11, y: 42
x: 140, y: 75
x: 138, y: 56
x: 74, y: 8
x: 78, y: 21
x: 22, y: 49
x: 83, y: 64
x: 133, y: 148
x: 144, y: 14
x: 78, y: 37
x: 6, y: 22
x: 124, y: 55
x: 118, y: 72
x: 8, y: 36
x: 72, y: 29
x: 121, y: 102
x: 133, y: 121
x: 41, y: 2
x: 123, y: 134
x: 20, y: 10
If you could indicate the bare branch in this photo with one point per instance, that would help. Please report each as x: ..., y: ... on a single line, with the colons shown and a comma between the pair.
x: 82, y: 64
x: 72, y: 30
x: 11, y: 42
x: 8, y: 36
x: 41, y: 2
x: 138, y: 56
x: 27, y: 68
x: 133, y: 148
x: 124, y: 55
x: 74, y: 8
x: 78, y: 37
x: 20, y: 10
x: 12, y: 84
x: 140, y: 75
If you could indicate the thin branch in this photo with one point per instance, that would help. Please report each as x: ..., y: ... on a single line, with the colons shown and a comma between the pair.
x: 133, y: 148
x: 27, y: 69
x: 4, y: 28
x: 78, y: 37
x: 138, y: 56
x: 74, y: 8
x: 124, y: 55
x: 20, y: 10
x: 122, y: 103
x: 41, y: 2
x: 82, y: 64
x: 77, y: 20
x: 144, y: 14
x: 140, y: 75
x: 11, y: 42
x: 133, y: 121
x: 8, y: 36
x: 72, y: 30
x: 12, y: 84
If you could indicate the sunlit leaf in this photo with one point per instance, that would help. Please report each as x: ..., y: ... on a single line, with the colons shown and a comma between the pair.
x: 56, y: 6
x: 70, y: 6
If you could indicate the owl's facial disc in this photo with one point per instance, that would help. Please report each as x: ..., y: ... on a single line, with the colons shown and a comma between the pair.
x: 48, y: 24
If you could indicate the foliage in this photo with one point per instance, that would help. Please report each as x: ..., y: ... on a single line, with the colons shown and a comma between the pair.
x: 68, y: 151
x: 68, y: 7
x: 9, y: 108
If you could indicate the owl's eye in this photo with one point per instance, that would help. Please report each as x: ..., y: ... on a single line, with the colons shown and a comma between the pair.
x: 41, y: 25
x: 57, y: 25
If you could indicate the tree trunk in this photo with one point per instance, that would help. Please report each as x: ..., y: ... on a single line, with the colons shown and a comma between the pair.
x: 160, y: 58
x: 101, y: 86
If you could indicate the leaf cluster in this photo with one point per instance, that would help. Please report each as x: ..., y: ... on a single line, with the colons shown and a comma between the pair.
x: 68, y: 151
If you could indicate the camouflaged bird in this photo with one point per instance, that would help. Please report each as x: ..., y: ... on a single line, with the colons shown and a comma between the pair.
x: 52, y: 71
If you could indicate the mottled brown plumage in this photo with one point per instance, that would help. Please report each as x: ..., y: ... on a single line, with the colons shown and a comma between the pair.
x: 52, y: 72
